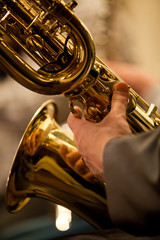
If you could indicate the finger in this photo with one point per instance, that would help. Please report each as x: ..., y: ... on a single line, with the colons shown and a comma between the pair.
x: 77, y: 112
x: 72, y: 158
x: 81, y: 167
x: 74, y: 121
x: 63, y: 151
x: 120, y: 98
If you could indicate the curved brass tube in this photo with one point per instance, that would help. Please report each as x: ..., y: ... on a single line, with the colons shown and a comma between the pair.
x: 62, y: 47
x: 70, y: 49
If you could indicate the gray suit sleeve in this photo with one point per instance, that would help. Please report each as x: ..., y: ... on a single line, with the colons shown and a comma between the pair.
x: 132, y: 176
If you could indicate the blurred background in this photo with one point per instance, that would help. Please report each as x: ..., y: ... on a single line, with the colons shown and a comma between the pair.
x: 123, y: 30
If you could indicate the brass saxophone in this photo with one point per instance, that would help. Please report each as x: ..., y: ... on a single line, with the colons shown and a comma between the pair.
x: 57, y: 41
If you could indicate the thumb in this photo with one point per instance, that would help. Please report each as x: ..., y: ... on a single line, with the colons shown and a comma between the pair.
x: 120, y: 98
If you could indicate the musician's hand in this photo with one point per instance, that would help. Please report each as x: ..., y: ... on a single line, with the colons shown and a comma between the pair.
x: 74, y: 160
x: 91, y: 138
x: 136, y: 77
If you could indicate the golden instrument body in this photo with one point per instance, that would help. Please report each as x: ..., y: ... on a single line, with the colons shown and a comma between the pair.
x: 53, y: 37
x: 47, y: 165
x: 61, y: 46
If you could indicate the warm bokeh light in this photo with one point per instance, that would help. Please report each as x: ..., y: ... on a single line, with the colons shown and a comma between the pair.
x: 63, y: 218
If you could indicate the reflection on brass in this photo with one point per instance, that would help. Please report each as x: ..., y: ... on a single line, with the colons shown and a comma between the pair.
x: 47, y: 165
x: 63, y: 49
x: 61, y: 46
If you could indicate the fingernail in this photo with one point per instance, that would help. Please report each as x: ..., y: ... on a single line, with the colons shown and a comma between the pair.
x: 121, y: 87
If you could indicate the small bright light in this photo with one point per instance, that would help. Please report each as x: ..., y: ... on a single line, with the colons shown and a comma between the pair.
x: 63, y: 218
x: 62, y: 224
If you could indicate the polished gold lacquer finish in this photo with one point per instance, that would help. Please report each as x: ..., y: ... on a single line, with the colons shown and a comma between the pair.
x: 50, y: 34
x: 47, y: 165
x: 61, y: 46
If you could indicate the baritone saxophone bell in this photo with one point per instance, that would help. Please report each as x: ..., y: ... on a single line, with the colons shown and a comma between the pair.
x: 47, y: 165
